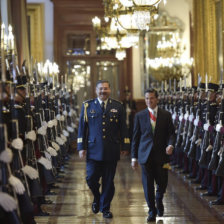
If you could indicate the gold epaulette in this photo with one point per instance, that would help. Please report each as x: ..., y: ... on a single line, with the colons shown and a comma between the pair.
x: 110, y: 99
x: 85, y: 112
x: 87, y: 101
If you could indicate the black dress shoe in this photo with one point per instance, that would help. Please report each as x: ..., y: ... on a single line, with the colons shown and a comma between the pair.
x: 151, y: 218
x: 107, y: 215
x: 95, y: 207
x: 183, y: 172
x: 201, y: 188
x: 160, y: 212
x: 190, y: 176
x: 217, y: 202
x: 208, y: 194
x: 195, y: 181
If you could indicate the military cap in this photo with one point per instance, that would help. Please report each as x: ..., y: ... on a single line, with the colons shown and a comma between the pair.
x: 21, y: 82
x: 43, y: 84
x: 202, y: 86
x: 182, y: 89
x: 213, y: 87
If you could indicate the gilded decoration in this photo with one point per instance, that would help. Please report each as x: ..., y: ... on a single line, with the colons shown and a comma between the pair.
x: 205, y: 40
x: 36, y: 30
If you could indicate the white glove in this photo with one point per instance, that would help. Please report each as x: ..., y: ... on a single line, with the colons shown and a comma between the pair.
x: 7, y: 202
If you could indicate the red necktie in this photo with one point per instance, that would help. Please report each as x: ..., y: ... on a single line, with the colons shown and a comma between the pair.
x: 153, y: 121
x: 152, y: 116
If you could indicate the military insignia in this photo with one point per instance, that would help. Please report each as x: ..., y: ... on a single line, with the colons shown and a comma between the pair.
x: 126, y: 141
x: 111, y: 120
x: 92, y: 111
x: 79, y: 140
x: 113, y: 110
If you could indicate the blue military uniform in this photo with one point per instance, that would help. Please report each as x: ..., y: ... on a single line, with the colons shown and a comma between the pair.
x: 103, y: 134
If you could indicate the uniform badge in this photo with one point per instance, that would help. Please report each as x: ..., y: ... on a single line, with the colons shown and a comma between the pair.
x: 113, y: 110
x: 92, y: 111
x: 79, y: 140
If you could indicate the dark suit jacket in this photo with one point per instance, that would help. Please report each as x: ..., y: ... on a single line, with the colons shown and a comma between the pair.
x: 103, y: 134
x: 144, y: 141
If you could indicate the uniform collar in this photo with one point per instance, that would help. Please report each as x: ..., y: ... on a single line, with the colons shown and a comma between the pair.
x: 105, y: 102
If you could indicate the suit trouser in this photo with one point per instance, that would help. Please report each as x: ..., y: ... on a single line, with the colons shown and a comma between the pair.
x: 105, y: 169
x: 152, y: 172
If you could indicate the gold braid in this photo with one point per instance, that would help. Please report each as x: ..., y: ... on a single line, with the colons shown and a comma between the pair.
x: 85, y: 112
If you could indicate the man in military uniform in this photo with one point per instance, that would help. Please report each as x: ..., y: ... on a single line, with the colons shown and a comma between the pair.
x: 102, y: 131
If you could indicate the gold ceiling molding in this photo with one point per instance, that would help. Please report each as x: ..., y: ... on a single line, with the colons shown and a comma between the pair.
x: 205, y: 41
x: 35, y: 13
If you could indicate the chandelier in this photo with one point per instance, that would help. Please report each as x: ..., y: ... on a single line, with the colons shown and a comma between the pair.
x: 79, y: 75
x: 169, y: 45
x: 132, y: 14
x: 124, y: 19
x: 120, y: 54
x: 168, y: 59
x: 112, y: 37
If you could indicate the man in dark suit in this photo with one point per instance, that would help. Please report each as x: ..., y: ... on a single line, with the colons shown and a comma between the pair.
x: 102, y: 135
x: 152, y: 143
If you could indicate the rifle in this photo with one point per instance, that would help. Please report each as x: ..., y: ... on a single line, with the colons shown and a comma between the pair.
x: 30, y: 137
x: 196, y: 131
x: 181, y: 121
x: 205, y: 146
x: 8, y: 203
x: 175, y: 107
x: 213, y: 164
x: 186, y: 124
x: 190, y: 124
x: 20, y: 170
x: 219, y: 151
x: 41, y: 127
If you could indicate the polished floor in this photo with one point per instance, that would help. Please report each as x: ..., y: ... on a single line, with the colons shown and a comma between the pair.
x: 72, y: 204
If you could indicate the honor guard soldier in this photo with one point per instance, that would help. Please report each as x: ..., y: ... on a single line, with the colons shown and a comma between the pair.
x: 208, y: 118
x: 102, y: 134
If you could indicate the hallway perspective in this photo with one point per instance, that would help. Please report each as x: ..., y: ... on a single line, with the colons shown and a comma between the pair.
x: 72, y: 204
